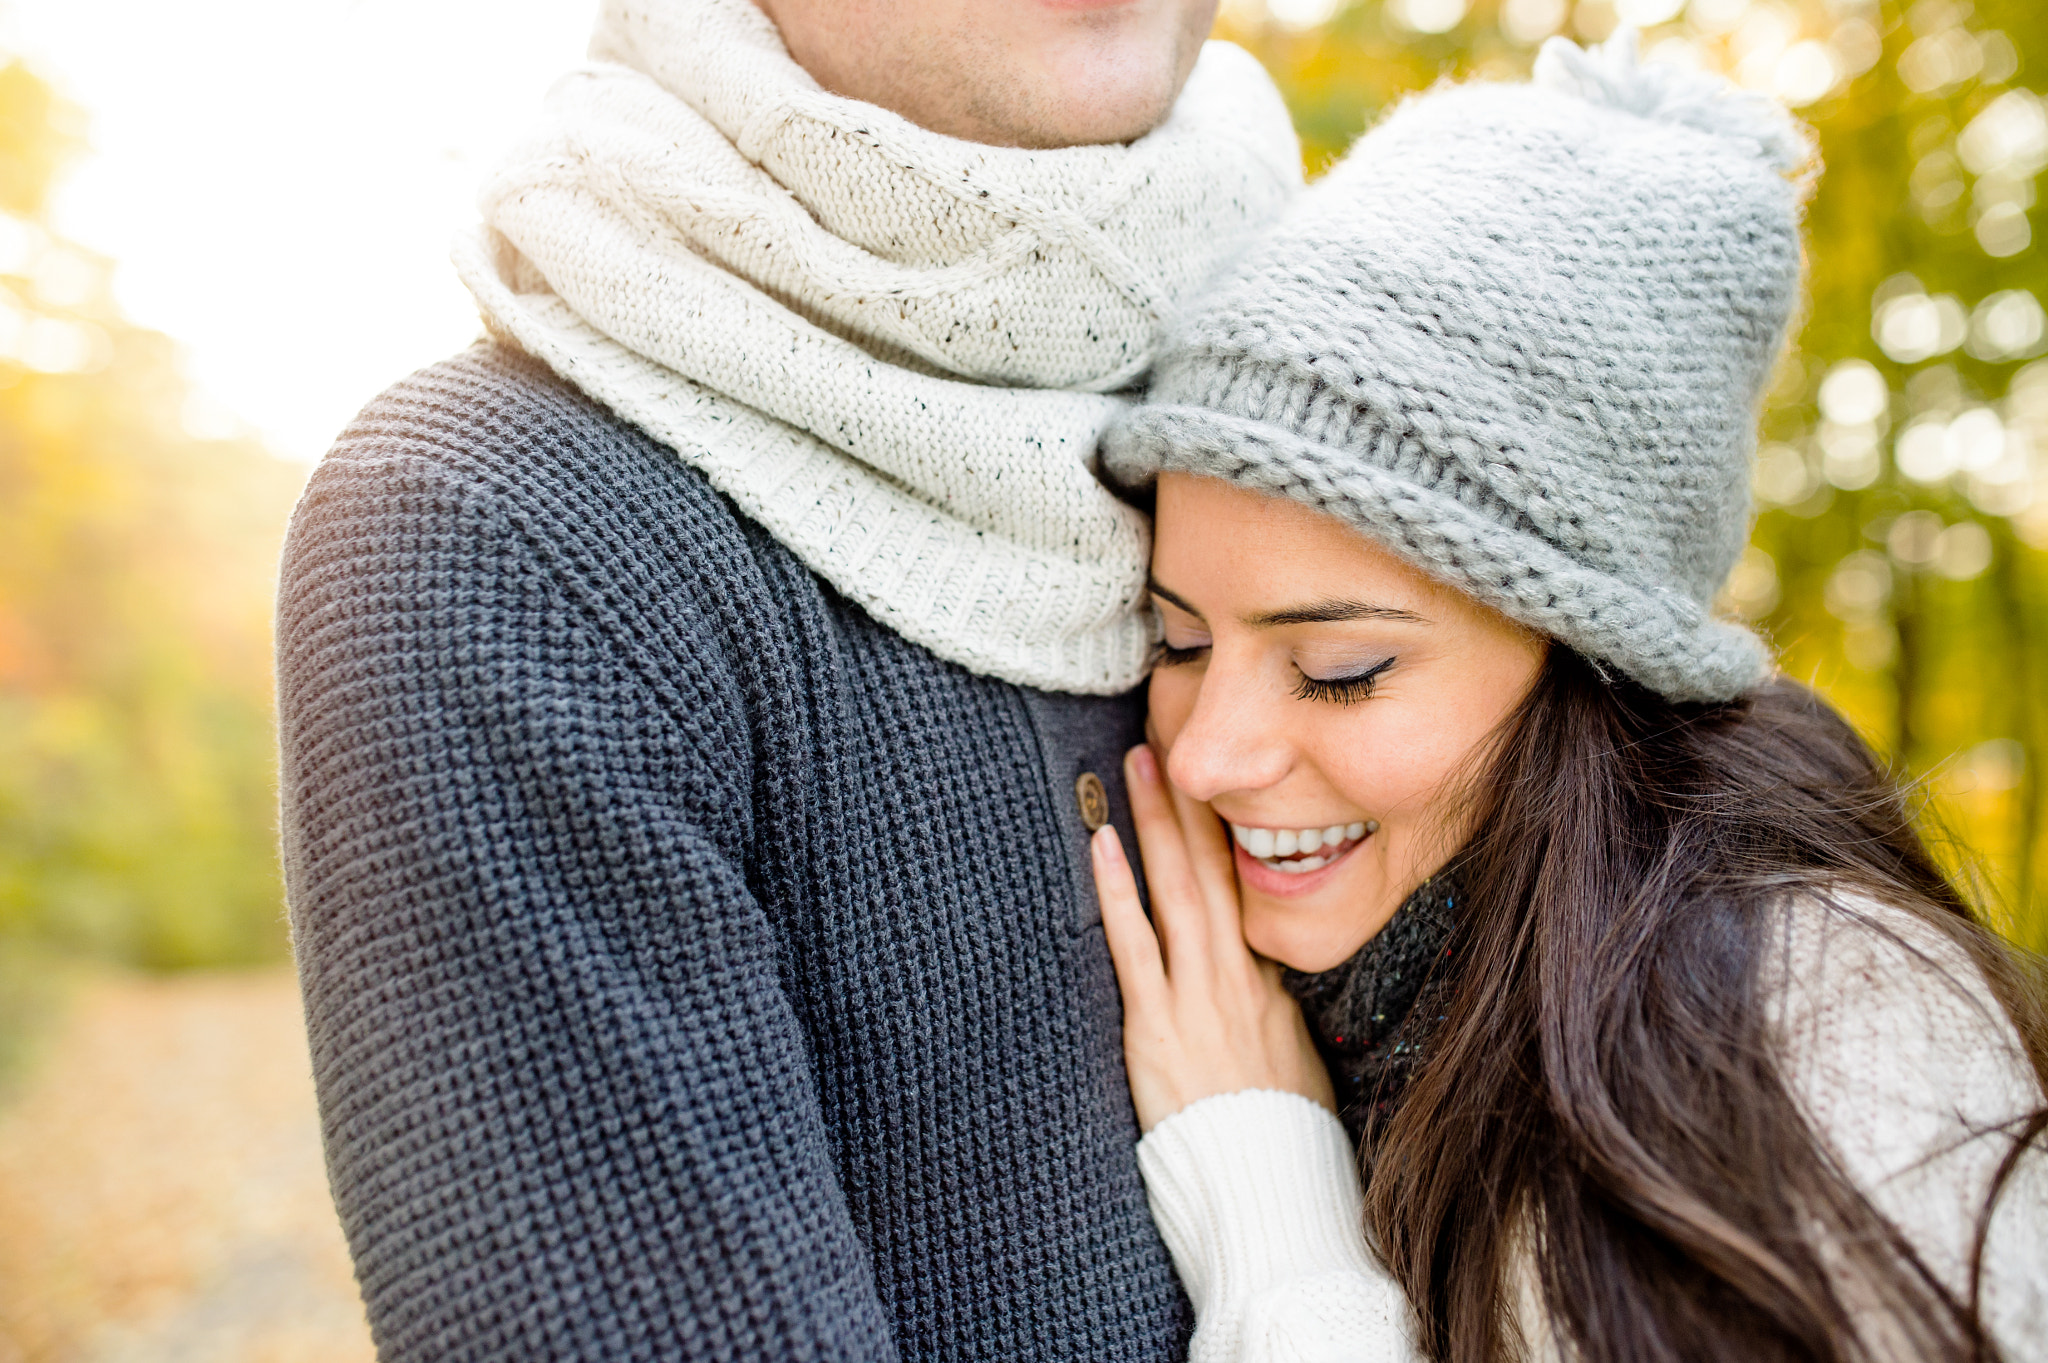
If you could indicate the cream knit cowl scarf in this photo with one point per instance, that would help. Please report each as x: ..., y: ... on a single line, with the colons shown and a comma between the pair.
x: 895, y: 350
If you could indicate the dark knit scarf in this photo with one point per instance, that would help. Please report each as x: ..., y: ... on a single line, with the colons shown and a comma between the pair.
x: 1374, y: 1015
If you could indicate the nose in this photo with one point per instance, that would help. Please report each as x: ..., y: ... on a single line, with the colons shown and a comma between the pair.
x: 1233, y: 739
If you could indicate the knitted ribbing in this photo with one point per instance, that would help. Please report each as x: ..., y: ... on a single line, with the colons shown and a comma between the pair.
x: 1256, y: 1193
x: 1374, y: 1015
x: 1519, y: 336
x: 893, y: 349
x: 694, y: 968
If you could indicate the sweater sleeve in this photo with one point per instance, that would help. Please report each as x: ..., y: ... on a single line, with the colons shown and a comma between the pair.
x: 568, y: 1108
x: 1257, y: 1197
x: 1915, y: 1079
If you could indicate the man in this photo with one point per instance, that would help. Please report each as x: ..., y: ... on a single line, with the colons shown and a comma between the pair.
x: 695, y: 702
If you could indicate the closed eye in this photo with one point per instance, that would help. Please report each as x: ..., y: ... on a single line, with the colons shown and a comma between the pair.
x: 1342, y: 690
x: 1166, y: 655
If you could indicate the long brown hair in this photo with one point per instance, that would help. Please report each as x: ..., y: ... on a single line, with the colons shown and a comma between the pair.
x: 1602, y: 1095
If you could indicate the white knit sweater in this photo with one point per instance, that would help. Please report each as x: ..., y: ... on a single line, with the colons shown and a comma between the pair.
x: 1900, y: 1057
x: 895, y: 350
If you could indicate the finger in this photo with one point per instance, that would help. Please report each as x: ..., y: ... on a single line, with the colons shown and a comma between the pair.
x: 1133, y: 947
x: 1212, y: 866
x: 1177, y: 905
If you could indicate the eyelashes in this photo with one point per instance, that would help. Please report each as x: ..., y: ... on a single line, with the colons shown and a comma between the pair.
x: 1336, y: 690
x: 1342, y: 690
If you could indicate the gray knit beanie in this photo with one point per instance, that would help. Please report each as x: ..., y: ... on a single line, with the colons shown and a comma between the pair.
x: 1519, y: 335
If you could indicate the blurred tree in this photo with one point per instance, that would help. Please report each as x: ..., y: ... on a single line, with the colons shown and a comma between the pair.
x: 138, y: 538
x: 1901, y: 557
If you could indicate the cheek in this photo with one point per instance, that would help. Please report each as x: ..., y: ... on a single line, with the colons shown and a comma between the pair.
x: 1393, y: 758
x: 1170, y: 699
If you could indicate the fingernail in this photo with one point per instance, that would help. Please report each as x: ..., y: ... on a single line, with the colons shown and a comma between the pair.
x: 1144, y: 764
x: 1105, y: 844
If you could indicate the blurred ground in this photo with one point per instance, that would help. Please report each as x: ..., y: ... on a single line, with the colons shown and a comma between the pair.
x: 161, y: 1192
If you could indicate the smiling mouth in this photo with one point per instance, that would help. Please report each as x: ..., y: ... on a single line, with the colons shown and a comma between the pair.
x: 1297, y: 851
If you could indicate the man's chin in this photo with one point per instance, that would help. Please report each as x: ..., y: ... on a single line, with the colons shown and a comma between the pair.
x: 1112, y: 79
x: 1127, y: 105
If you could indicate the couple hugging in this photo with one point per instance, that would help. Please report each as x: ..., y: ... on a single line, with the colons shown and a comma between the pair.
x: 752, y: 903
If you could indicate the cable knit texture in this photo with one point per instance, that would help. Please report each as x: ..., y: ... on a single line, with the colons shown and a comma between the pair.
x: 896, y: 350
x: 1888, y: 1038
x: 647, y: 1021
x: 1519, y: 335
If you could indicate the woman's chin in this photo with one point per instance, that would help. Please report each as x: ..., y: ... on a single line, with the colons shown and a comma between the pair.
x: 1318, y: 930
x: 1304, y: 936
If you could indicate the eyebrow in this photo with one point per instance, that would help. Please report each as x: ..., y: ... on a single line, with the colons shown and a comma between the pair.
x: 1315, y: 613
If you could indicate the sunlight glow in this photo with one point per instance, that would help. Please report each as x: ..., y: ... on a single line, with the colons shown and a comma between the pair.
x: 278, y: 183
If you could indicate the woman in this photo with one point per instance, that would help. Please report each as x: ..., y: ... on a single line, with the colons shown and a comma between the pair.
x: 1659, y: 1032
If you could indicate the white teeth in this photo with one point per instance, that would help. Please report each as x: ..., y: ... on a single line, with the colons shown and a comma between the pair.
x: 1270, y: 845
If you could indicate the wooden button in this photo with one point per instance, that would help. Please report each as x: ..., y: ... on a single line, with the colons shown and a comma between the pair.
x: 1093, y: 799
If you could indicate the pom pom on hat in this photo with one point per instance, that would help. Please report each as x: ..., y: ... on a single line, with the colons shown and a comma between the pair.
x: 1614, y: 74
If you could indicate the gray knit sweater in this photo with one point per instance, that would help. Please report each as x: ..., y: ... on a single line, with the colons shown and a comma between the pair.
x: 693, y: 968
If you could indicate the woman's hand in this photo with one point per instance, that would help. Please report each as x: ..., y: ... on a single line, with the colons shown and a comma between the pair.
x: 1202, y: 1014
